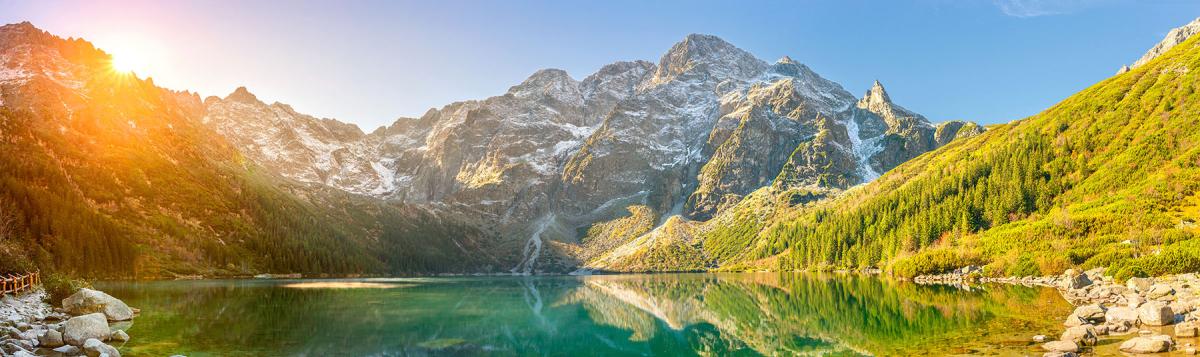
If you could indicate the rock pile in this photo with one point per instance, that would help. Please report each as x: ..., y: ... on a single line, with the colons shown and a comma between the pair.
x: 28, y: 327
x: 1106, y: 307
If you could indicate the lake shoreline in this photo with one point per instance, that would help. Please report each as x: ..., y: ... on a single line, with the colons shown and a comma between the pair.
x: 1155, y: 312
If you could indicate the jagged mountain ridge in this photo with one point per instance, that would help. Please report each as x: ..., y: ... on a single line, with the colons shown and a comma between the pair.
x: 690, y: 136
x: 108, y: 175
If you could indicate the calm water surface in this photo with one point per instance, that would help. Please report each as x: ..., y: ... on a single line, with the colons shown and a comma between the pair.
x: 634, y: 315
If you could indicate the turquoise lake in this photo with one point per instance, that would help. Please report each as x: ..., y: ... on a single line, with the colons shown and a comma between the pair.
x: 603, y: 315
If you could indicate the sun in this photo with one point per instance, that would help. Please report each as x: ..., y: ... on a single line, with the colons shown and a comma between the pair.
x: 130, y: 55
x: 125, y: 63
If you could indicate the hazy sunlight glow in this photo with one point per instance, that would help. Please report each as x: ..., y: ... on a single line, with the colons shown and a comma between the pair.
x: 129, y: 56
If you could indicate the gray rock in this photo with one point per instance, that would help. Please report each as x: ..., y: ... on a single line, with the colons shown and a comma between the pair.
x: 23, y: 354
x: 87, y: 301
x: 1091, y: 313
x: 1118, y: 314
x: 1142, y: 344
x: 69, y: 350
x: 79, y: 329
x: 1159, y: 290
x: 1060, y: 354
x: 1187, y: 329
x: 1061, y: 346
x: 94, y: 348
x: 1073, y: 280
x: 120, y: 336
x: 1083, y: 335
x: 51, y: 339
x: 1156, y: 314
x: 1039, y: 338
x: 1139, y: 284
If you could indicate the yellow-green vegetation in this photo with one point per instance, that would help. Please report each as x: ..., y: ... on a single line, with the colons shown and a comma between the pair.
x: 1106, y: 178
x: 603, y: 237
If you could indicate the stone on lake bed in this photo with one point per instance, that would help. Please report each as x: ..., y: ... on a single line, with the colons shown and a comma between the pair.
x: 79, y: 329
x: 1060, y: 354
x: 1061, y: 346
x: 1039, y: 338
x: 87, y: 301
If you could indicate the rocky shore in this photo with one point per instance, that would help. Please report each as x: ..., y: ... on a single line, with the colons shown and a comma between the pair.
x: 87, y: 324
x: 1149, y: 315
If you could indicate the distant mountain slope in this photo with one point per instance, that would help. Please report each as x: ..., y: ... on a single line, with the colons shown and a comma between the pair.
x: 1109, y: 177
x: 105, y: 174
x: 555, y: 157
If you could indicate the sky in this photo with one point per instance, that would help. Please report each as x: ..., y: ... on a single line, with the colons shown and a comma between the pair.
x: 371, y: 62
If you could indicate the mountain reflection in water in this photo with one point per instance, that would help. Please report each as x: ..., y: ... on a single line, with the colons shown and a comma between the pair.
x: 661, y: 314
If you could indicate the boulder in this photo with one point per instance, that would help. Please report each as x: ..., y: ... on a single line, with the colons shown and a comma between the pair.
x: 23, y: 354
x: 94, y: 348
x: 1073, y: 280
x: 1073, y: 321
x: 1187, y: 329
x: 1159, y: 290
x: 79, y: 329
x: 1083, y: 335
x: 1091, y: 313
x: 1154, y: 344
x: 88, y: 301
x: 1060, y: 354
x: 51, y: 339
x: 119, y: 336
x: 1139, y: 284
x: 1118, y: 314
x: 1061, y: 346
x: 1039, y: 338
x: 1156, y: 314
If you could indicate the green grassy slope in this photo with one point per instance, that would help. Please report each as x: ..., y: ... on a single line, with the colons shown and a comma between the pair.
x: 1106, y: 178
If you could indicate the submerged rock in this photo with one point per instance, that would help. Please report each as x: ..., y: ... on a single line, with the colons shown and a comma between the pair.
x: 1061, y: 346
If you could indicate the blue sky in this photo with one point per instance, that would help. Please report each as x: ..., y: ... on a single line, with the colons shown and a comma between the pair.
x: 369, y: 62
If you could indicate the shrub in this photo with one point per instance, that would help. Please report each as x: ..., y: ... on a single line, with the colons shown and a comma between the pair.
x: 1129, y: 272
x: 1024, y: 266
x: 59, y: 287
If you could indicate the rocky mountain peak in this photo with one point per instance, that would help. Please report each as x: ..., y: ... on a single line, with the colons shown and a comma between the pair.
x: 707, y: 56
x: 1176, y: 36
x: 877, y: 94
x: 241, y: 94
x: 785, y: 60
x: 550, y: 82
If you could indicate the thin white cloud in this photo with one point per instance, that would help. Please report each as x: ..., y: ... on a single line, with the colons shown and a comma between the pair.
x: 1036, y: 8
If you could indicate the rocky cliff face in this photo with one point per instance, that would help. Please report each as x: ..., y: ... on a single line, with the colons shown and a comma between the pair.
x: 1174, y: 37
x: 688, y: 136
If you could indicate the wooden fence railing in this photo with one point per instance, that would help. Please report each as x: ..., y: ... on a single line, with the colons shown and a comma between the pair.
x: 16, y: 284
